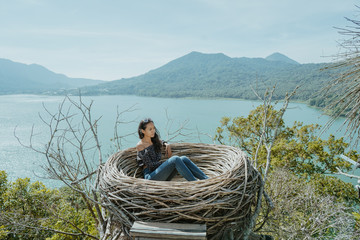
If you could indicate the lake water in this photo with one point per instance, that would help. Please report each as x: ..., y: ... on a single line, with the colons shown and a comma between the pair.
x: 202, y: 117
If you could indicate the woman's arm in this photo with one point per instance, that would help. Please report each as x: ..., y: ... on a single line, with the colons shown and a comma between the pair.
x: 168, y: 152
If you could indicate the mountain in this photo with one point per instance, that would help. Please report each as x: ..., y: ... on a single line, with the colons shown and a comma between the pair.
x: 280, y: 58
x: 22, y: 78
x: 217, y: 75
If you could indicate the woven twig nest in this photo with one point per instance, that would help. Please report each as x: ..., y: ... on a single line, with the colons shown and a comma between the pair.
x: 224, y: 201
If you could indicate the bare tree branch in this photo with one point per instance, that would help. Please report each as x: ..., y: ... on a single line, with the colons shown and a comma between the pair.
x: 70, y: 151
x: 343, y: 92
x: 119, y: 121
x: 268, y: 145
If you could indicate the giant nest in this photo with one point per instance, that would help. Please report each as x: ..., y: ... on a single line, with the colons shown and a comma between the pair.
x: 224, y: 202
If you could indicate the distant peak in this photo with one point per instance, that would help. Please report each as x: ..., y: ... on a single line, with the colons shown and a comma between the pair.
x: 195, y: 53
x: 203, y: 56
x: 280, y: 58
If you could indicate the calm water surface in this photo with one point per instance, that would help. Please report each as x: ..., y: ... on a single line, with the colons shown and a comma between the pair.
x: 21, y: 112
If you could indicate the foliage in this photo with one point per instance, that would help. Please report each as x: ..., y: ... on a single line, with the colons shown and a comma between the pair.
x: 3, y: 232
x: 306, y: 192
x: 297, y: 148
x: 71, y: 206
x: 333, y: 186
x: 33, y: 211
x: 3, y: 187
x: 267, y: 141
x: 23, y: 203
x: 357, y: 218
x: 301, y: 212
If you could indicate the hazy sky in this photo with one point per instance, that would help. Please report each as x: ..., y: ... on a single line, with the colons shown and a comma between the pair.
x: 112, y: 39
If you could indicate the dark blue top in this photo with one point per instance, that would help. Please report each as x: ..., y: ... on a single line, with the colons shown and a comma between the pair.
x: 149, y: 157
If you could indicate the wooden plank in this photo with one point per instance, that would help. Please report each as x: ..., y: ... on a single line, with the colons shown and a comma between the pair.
x: 152, y: 230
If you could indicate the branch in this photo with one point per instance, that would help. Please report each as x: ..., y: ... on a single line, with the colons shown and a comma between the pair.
x: 267, y: 104
x: 117, y: 139
x: 179, y: 131
x: 346, y: 174
x: 16, y: 223
x: 84, y: 178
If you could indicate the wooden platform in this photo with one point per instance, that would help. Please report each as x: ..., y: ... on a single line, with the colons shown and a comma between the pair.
x: 179, y: 231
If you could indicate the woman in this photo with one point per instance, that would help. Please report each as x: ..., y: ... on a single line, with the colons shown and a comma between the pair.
x: 149, y: 154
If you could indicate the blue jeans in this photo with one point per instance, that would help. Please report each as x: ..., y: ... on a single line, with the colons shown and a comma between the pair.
x: 167, y: 170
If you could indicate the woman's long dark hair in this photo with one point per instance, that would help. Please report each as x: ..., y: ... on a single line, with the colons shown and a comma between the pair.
x: 156, y: 139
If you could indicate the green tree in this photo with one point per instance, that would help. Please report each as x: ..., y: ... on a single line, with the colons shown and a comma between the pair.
x: 23, y: 205
x: 297, y: 148
x: 330, y: 185
x: 71, y: 218
x: 33, y: 211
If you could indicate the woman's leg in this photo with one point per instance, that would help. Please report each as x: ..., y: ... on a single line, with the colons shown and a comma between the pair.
x: 196, y: 171
x: 172, y: 175
x: 182, y: 168
x: 183, y: 165
x: 164, y: 172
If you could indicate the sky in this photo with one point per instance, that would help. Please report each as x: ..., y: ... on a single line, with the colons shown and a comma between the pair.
x: 114, y: 39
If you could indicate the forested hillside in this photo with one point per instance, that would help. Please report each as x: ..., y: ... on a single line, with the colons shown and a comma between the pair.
x: 217, y: 75
x: 193, y: 75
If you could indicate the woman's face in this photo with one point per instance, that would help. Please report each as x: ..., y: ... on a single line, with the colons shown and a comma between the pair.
x: 149, y: 130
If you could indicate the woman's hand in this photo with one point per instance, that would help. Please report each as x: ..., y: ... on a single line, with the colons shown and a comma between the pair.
x: 168, y: 152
